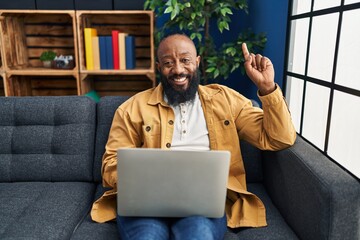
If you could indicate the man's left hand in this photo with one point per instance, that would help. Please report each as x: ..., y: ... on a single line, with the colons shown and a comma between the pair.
x: 260, y: 70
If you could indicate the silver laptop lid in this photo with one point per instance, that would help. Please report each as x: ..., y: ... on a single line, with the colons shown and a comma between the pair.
x: 171, y: 183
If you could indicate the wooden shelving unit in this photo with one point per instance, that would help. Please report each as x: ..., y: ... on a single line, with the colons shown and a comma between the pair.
x: 25, y: 34
x: 139, y: 24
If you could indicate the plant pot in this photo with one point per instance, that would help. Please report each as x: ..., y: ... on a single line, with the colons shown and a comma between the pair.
x: 47, y: 64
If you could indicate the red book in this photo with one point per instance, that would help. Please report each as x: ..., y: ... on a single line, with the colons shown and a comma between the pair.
x: 115, y: 43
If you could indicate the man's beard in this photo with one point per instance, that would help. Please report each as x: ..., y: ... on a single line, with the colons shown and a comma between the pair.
x: 177, y: 96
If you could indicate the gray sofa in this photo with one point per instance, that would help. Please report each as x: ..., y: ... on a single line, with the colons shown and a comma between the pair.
x: 50, y: 160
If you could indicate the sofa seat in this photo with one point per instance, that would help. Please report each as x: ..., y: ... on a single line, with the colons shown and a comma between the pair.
x: 89, y: 229
x: 43, y: 210
x: 277, y: 228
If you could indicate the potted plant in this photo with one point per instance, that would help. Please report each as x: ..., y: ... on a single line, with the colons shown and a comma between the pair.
x: 47, y: 57
x: 194, y: 18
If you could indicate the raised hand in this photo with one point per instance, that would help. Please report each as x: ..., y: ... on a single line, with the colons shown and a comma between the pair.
x: 260, y: 70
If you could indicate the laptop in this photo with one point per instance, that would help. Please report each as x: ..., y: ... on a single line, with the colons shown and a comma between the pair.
x: 171, y: 183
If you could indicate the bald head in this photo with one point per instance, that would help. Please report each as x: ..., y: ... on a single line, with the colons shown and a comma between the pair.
x: 176, y: 41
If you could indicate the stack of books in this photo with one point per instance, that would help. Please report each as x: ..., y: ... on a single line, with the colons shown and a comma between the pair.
x: 115, y: 51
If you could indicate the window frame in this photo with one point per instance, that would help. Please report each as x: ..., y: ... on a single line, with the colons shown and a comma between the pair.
x: 307, y: 79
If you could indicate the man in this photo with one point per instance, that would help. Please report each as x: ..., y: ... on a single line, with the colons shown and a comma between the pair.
x: 181, y: 114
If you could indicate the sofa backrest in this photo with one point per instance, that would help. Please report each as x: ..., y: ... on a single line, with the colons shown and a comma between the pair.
x: 105, y: 113
x: 46, y: 138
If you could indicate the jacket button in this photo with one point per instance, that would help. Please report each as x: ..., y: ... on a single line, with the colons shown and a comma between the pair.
x: 226, y: 122
x: 148, y: 128
x: 168, y: 145
x: 171, y: 122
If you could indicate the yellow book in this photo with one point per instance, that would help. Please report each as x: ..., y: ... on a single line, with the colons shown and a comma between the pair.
x: 88, y: 34
x: 96, y: 52
x: 122, y: 50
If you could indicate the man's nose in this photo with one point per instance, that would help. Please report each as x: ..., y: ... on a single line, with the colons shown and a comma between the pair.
x: 178, y: 68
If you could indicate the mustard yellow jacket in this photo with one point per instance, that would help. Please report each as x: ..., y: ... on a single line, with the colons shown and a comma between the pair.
x: 146, y: 121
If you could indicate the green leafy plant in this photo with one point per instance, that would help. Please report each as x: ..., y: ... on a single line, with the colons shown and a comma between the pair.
x: 47, y: 56
x: 195, y: 17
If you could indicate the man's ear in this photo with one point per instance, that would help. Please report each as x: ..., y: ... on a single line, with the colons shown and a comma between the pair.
x: 158, y: 66
x: 198, y: 61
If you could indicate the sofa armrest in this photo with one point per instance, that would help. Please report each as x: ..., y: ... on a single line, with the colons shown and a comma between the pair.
x: 317, y: 198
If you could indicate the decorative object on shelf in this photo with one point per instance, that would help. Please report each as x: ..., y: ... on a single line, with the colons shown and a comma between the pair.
x: 63, y: 62
x: 47, y: 57
x: 93, y: 95
x: 195, y: 18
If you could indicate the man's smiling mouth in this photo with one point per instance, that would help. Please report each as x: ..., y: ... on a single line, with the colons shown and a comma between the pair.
x: 181, y: 79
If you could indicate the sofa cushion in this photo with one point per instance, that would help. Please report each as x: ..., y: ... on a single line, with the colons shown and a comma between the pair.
x: 105, y: 113
x: 46, y: 138
x: 89, y: 229
x: 96, y: 231
x: 43, y: 210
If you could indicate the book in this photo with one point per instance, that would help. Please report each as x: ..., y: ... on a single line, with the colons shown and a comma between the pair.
x: 115, y: 48
x: 122, y: 50
x: 96, y: 52
x: 89, y: 58
x: 102, y: 50
x: 109, y: 52
x: 130, y: 52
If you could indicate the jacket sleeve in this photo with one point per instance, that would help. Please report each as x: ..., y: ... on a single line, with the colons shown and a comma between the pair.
x: 122, y: 134
x: 270, y: 128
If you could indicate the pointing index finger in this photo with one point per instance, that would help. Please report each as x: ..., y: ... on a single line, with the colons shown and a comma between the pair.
x: 245, y: 51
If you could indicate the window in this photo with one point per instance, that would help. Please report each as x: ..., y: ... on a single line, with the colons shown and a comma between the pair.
x: 323, y: 77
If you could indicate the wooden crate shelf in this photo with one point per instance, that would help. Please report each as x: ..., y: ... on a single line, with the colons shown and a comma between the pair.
x: 136, y: 23
x: 41, y: 71
x: 115, y: 85
x: 25, y: 34
x: 24, y: 85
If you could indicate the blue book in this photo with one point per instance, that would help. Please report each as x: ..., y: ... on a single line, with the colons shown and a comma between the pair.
x: 130, y: 52
x: 102, y: 49
x: 109, y: 52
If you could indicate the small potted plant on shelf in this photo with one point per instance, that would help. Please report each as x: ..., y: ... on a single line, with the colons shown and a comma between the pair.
x: 47, y: 57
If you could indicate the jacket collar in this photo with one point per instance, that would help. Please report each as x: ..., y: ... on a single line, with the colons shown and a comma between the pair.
x: 157, y: 96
